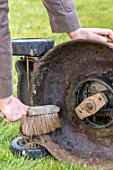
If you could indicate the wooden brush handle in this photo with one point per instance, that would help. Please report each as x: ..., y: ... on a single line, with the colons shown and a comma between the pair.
x: 41, y: 110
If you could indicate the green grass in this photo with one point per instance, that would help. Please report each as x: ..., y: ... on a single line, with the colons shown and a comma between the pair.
x: 28, y: 18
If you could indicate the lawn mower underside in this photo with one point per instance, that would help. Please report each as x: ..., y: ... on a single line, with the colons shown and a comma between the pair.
x: 67, y: 76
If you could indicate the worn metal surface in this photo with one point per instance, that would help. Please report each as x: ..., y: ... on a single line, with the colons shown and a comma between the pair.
x: 24, y: 79
x: 55, y: 78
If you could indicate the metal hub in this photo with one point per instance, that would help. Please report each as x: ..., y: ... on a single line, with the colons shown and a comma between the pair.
x: 91, y: 86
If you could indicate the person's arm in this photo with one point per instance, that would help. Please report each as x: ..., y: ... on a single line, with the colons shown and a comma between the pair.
x: 63, y: 18
x: 12, y: 108
x: 6, y: 88
x: 62, y: 15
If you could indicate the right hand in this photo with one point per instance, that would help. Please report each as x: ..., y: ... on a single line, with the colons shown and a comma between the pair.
x: 91, y: 34
x: 13, y: 109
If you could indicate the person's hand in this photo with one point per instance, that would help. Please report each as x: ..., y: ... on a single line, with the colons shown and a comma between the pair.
x: 92, y: 34
x: 13, y: 109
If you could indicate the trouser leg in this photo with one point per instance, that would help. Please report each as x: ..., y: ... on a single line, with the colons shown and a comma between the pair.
x: 5, y: 52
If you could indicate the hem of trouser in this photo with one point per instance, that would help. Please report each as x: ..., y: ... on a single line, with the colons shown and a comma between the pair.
x: 7, y: 94
x: 6, y: 91
x: 65, y: 24
x: 2, y: 97
x: 68, y: 30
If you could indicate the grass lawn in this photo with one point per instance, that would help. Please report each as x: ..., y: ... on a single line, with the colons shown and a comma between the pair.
x: 28, y: 18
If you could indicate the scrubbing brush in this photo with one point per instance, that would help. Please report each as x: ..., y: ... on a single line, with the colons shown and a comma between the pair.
x: 40, y: 120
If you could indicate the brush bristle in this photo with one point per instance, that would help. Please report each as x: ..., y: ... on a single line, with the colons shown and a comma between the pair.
x: 38, y: 125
